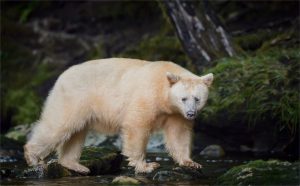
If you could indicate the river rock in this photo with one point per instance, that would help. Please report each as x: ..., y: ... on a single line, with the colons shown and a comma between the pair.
x: 125, y: 180
x: 213, y: 151
x: 98, y: 160
x: 259, y: 172
x: 11, y: 150
x: 177, y: 174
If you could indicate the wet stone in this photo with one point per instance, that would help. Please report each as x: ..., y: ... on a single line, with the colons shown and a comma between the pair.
x: 7, y: 173
x: 178, y: 174
x: 125, y: 180
x: 98, y: 160
x: 213, y: 151
x: 259, y: 172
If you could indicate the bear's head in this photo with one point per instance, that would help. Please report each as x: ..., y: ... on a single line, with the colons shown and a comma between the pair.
x: 188, y: 95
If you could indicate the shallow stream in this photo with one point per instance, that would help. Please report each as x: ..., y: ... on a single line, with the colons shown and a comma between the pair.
x: 212, y: 168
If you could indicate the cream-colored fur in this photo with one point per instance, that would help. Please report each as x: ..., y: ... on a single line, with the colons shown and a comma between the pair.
x: 118, y: 95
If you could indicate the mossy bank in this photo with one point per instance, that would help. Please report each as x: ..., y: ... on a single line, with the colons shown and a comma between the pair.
x: 259, y: 172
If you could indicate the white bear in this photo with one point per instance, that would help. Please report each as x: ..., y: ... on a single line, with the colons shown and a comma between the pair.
x: 118, y: 95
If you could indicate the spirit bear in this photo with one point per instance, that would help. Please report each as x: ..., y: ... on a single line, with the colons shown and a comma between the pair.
x: 117, y: 95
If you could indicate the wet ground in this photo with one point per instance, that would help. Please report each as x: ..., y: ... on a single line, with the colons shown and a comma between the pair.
x: 212, y: 168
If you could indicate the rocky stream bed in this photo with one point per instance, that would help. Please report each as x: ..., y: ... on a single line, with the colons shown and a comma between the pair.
x: 109, y: 167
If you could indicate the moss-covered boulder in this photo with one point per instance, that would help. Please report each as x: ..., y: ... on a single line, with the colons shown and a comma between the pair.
x: 254, y: 101
x: 19, y: 133
x: 261, y: 172
x: 98, y: 160
x: 256, y: 89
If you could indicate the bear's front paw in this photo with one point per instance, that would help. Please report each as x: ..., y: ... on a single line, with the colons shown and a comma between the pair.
x: 190, y: 163
x: 76, y: 167
x: 31, y: 158
x: 146, y: 167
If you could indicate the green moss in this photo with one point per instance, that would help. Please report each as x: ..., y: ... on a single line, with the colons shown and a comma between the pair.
x: 158, y: 47
x: 19, y: 133
x: 256, y: 90
x: 23, y: 99
x: 261, y: 172
x: 22, y: 74
x: 287, y: 39
x: 266, y: 39
x: 253, y: 41
x: 101, y: 160
x: 97, y: 52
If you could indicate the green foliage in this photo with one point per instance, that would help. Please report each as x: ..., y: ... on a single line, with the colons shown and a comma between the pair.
x: 22, y: 99
x: 25, y: 13
x: 27, y: 105
x: 164, y: 45
x: 158, y: 47
x: 22, y: 74
x: 253, y: 41
x: 97, y: 52
x: 264, y: 39
x: 261, y: 172
x: 256, y: 90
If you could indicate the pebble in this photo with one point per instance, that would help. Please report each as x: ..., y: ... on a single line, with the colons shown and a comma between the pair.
x: 158, y: 158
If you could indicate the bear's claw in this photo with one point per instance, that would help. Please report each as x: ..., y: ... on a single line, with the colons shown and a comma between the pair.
x: 146, y: 167
x: 191, y: 164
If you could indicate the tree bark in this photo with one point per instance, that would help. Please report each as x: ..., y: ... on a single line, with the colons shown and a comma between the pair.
x: 203, y: 37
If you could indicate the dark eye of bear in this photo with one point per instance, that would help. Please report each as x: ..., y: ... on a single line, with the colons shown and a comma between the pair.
x: 184, y: 99
x: 197, y: 99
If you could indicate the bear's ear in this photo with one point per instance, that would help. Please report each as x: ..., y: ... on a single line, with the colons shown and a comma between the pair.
x: 207, y: 79
x: 172, y: 78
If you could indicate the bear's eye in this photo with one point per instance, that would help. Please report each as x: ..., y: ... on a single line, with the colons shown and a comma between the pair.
x: 183, y: 99
x: 197, y: 99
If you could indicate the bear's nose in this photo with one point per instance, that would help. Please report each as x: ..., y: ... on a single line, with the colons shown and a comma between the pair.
x: 190, y: 114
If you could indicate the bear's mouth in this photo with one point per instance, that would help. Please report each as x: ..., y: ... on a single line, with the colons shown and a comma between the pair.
x: 190, y: 118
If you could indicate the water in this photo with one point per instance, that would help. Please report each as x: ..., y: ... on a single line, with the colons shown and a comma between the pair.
x: 212, y: 168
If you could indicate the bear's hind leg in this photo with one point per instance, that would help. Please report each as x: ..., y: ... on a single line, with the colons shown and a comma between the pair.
x: 52, y: 131
x: 69, y: 152
x: 39, y: 145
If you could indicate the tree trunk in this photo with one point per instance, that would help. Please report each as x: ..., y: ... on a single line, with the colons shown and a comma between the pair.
x: 201, y: 34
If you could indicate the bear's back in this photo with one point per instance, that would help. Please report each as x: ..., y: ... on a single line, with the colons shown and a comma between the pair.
x: 119, y: 70
x: 119, y: 78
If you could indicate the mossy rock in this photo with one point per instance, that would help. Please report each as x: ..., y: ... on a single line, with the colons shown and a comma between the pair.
x: 255, y: 90
x: 125, y: 180
x: 19, y: 133
x: 261, y: 172
x: 98, y: 160
x: 177, y: 174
